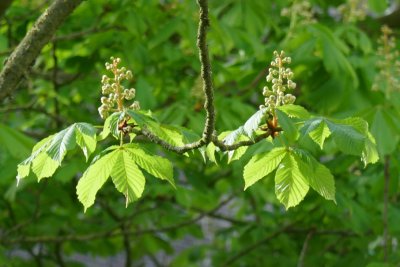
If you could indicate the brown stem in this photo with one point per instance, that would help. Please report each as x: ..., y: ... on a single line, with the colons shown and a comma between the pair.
x: 206, y: 71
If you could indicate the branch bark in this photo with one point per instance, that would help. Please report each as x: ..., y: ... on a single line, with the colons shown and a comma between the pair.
x: 206, y: 73
x: 30, y: 47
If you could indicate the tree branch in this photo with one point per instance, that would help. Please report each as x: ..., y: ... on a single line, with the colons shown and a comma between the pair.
x: 30, y: 47
x: 303, y: 253
x: 206, y: 73
x: 250, y: 248
x: 112, y: 232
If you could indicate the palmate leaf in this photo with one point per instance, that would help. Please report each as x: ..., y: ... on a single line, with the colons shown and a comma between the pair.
x: 155, y: 165
x: 290, y: 184
x: 320, y: 133
x: 294, y: 111
x: 172, y: 135
x: 239, y: 152
x: 317, y: 130
x: 94, y: 178
x: 62, y: 141
x: 44, y: 166
x: 289, y: 129
x: 127, y: 177
x: 383, y: 129
x: 347, y: 139
x: 111, y: 125
x: 121, y: 163
x: 322, y: 181
x: 350, y: 135
x: 230, y: 138
x: 86, y: 138
x: 262, y: 164
x: 24, y: 167
x: 318, y: 176
x: 251, y: 125
x: 55, y: 148
x: 370, y: 154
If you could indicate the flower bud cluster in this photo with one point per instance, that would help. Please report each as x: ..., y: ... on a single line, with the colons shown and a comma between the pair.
x: 114, y: 93
x: 353, y: 10
x: 302, y: 10
x: 388, y: 78
x: 281, y: 79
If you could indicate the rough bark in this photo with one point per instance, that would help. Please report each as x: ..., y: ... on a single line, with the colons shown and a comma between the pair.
x: 30, y: 47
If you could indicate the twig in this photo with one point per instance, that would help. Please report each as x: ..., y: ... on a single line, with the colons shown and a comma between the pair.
x: 303, y: 252
x: 83, y: 33
x: 59, y: 256
x: 206, y: 71
x: 113, y: 232
x: 183, y: 149
x: 30, y: 47
x: 124, y: 229
x: 30, y: 108
x: 250, y: 248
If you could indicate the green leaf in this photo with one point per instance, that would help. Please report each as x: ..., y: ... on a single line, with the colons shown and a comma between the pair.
x: 170, y: 134
x: 369, y: 154
x: 317, y: 129
x: 318, y: 176
x: 62, y: 141
x: 210, y: 153
x: 319, y: 134
x: 24, y: 166
x: 295, y: 111
x: 384, y: 133
x: 290, y: 185
x: 94, y: 178
x: 140, y: 118
x: 289, y: 129
x: 347, y: 139
x: 44, y: 166
x: 155, y: 165
x: 261, y: 165
x: 56, y: 146
x: 112, y: 123
x: 231, y: 138
x: 251, y: 125
x: 127, y: 177
x: 86, y: 138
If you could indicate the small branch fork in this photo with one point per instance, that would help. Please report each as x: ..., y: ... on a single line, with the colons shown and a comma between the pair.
x: 209, y: 133
x: 42, y: 32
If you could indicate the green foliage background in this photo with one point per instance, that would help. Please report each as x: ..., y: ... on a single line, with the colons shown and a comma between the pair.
x: 334, y: 61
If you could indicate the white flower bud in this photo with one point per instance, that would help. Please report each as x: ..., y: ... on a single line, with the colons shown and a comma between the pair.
x: 129, y: 75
